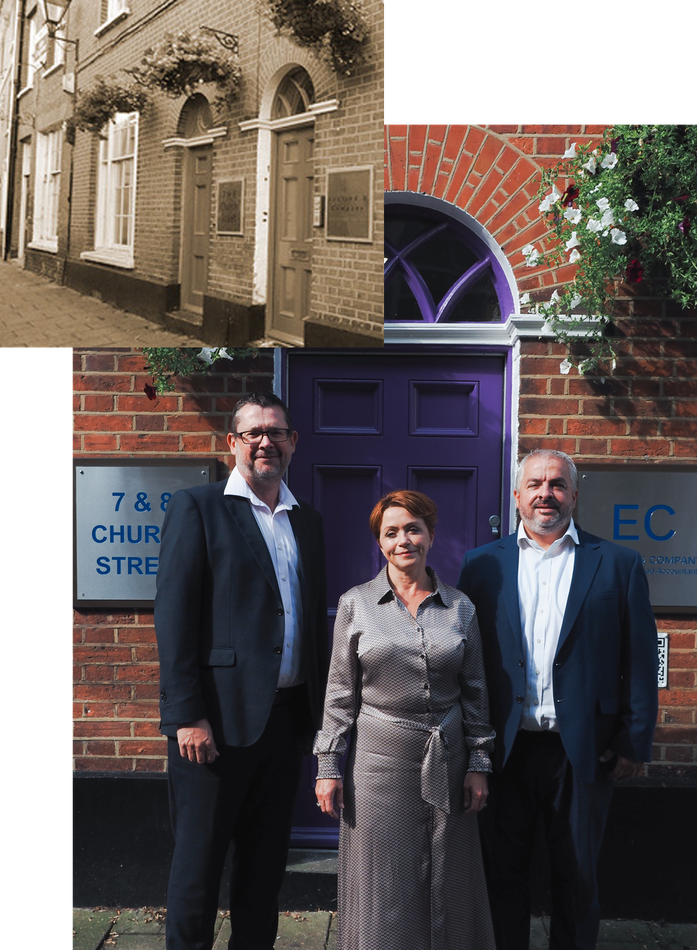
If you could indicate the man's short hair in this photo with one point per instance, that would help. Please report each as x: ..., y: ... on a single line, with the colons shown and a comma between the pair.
x: 546, y: 453
x: 263, y: 399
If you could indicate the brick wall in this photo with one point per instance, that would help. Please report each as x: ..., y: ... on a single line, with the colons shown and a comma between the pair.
x: 115, y: 655
x: 645, y: 410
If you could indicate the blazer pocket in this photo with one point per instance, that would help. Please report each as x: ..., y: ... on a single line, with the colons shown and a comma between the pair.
x: 609, y: 705
x: 220, y: 656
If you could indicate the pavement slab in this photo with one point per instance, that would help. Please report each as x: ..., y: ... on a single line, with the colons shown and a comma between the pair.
x: 90, y: 927
x: 35, y: 311
x: 674, y: 936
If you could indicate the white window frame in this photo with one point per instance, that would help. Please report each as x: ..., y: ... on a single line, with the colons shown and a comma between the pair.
x: 115, y: 212
x: 113, y: 11
x: 47, y: 181
x: 33, y: 63
x: 56, y: 50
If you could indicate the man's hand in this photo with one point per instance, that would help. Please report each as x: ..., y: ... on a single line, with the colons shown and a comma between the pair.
x: 625, y: 768
x: 196, y: 742
x: 476, y: 791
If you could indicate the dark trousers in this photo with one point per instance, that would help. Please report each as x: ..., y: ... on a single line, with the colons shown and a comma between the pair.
x: 246, y: 796
x: 538, y: 780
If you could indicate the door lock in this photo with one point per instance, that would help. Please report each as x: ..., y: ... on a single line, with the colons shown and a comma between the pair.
x: 494, y: 521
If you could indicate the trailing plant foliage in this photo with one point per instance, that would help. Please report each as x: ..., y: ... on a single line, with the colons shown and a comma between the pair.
x: 97, y: 106
x: 624, y: 211
x: 163, y: 363
x: 335, y: 29
x: 183, y: 61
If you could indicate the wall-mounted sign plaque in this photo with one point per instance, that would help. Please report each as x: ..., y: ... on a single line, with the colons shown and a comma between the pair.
x: 230, y: 206
x: 652, y: 510
x: 120, y: 505
x: 350, y: 204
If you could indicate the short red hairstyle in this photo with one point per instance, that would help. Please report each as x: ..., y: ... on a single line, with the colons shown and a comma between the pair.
x: 416, y: 503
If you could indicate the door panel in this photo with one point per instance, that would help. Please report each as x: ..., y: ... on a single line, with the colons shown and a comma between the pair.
x: 373, y: 422
x: 195, y: 227
x: 291, y: 251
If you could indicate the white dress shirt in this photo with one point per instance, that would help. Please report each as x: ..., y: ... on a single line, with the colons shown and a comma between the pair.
x: 544, y: 581
x: 278, y: 534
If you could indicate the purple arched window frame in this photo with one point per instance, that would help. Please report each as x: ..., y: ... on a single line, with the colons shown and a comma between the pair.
x: 490, y: 258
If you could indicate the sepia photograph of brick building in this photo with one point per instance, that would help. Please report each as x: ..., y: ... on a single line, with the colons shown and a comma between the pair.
x: 210, y: 166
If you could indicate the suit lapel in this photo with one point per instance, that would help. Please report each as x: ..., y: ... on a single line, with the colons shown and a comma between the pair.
x: 242, y: 515
x: 586, y: 563
x: 509, y: 566
x: 305, y: 550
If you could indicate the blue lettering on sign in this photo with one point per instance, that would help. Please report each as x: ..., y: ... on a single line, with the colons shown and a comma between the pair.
x: 134, y: 534
x: 135, y: 565
x: 616, y: 536
x: 647, y: 523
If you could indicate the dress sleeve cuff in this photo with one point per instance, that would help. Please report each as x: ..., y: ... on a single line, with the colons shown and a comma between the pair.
x: 328, y: 765
x: 479, y: 761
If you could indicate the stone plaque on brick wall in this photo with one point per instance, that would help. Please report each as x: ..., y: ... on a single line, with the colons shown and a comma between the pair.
x: 651, y: 509
x: 350, y: 204
x: 119, y: 507
x: 230, y: 206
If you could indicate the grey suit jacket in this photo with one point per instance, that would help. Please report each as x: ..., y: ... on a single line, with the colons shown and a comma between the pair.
x: 219, y: 615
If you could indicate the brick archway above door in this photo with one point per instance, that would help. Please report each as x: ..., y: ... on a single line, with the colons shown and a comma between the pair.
x: 485, y: 173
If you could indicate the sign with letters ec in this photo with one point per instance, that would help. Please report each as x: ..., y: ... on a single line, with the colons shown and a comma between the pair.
x: 652, y: 510
x: 120, y: 506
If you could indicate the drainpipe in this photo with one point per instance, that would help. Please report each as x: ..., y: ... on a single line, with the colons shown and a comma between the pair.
x: 14, y: 129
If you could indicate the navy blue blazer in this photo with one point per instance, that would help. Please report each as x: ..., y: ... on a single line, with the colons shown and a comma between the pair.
x: 219, y: 615
x: 605, y: 668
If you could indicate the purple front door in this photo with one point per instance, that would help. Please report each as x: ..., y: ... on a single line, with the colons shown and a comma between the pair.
x: 371, y: 422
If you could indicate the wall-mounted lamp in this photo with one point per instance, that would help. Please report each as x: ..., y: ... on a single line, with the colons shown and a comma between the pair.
x: 54, y: 13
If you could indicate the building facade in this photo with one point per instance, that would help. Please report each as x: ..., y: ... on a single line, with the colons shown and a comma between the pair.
x: 248, y: 212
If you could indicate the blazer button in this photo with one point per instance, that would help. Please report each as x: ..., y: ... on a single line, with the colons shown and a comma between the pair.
x: 520, y: 663
x: 163, y: 696
x: 278, y: 650
x: 280, y: 611
x: 519, y: 699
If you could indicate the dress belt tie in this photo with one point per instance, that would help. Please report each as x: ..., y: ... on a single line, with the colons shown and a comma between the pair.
x: 434, y: 764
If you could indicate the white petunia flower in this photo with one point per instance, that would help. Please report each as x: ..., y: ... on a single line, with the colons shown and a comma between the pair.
x: 531, y: 254
x: 594, y: 225
x: 551, y: 198
x: 205, y: 354
x: 609, y: 161
x: 525, y: 300
x: 570, y: 152
x: 573, y: 215
x: 618, y: 237
x: 603, y: 203
x: 631, y: 205
x: 608, y: 218
x: 590, y: 165
x: 564, y: 367
x: 574, y: 256
x: 575, y: 301
x: 573, y: 241
x: 555, y: 297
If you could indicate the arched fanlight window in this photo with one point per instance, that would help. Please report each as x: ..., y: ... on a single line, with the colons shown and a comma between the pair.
x: 294, y: 95
x: 441, y: 266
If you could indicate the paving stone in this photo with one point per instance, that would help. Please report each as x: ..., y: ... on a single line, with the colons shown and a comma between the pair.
x: 144, y: 920
x: 90, y: 927
x: 136, y: 942
x: 675, y: 936
x: 625, y: 935
x: 302, y: 930
x: 539, y: 939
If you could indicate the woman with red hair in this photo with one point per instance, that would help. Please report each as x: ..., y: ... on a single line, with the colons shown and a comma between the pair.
x: 407, y: 684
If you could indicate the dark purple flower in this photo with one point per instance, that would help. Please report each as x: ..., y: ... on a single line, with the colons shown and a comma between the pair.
x: 613, y: 145
x: 685, y: 226
x: 569, y: 196
x: 681, y: 199
x: 150, y: 391
x: 634, y: 271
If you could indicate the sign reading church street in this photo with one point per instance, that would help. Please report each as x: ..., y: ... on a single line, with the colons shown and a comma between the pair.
x: 652, y: 510
x: 119, y: 509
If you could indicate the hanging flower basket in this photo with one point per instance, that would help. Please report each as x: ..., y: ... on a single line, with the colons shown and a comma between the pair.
x: 624, y: 212
x: 335, y: 29
x: 96, y: 107
x: 164, y: 363
x: 182, y: 62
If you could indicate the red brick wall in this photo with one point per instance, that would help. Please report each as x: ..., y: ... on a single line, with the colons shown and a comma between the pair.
x: 115, y: 655
x: 646, y: 410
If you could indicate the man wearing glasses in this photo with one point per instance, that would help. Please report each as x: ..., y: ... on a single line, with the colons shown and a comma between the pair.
x: 240, y: 616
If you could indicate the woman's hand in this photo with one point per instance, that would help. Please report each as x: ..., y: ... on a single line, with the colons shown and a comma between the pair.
x: 330, y: 795
x: 476, y: 791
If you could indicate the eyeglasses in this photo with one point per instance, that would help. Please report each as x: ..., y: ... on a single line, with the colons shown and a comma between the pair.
x: 254, y: 436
